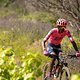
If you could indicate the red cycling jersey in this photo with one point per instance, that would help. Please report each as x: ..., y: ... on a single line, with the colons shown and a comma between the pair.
x: 55, y: 37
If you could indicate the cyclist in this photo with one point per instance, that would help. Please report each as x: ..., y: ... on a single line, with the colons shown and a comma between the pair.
x: 54, y: 38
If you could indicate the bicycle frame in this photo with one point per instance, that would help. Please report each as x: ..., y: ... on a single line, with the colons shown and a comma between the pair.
x: 61, y: 69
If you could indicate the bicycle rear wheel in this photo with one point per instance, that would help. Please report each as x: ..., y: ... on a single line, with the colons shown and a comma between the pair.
x: 46, y: 72
x: 65, y: 74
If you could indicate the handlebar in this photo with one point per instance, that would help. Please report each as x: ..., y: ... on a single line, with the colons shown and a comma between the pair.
x: 72, y: 56
x: 69, y: 57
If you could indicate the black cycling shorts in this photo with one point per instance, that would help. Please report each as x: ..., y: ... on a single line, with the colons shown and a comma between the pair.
x: 54, y: 48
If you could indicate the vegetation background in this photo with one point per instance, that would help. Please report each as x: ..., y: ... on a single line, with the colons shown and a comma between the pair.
x: 23, y: 25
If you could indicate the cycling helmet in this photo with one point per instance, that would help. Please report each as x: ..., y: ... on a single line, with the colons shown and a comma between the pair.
x: 61, y: 22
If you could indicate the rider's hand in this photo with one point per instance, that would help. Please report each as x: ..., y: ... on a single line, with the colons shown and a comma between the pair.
x: 78, y: 54
x: 45, y: 52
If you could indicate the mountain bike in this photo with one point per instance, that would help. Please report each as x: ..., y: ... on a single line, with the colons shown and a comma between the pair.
x: 58, y: 73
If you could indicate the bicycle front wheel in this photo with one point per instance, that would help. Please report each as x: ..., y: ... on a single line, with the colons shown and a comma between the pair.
x: 65, y: 74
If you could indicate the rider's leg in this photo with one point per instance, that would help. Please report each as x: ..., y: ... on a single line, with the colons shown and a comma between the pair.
x: 57, y: 67
x: 60, y: 59
x: 52, y: 62
x: 51, y: 65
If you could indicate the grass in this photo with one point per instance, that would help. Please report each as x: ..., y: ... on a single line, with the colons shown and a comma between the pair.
x: 37, y: 16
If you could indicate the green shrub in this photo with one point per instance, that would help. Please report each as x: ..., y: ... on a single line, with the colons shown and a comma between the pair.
x: 28, y: 68
x: 75, y: 77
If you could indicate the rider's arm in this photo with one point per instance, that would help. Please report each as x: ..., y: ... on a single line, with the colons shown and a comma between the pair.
x: 43, y: 44
x: 75, y: 46
x: 45, y: 39
x: 72, y: 41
